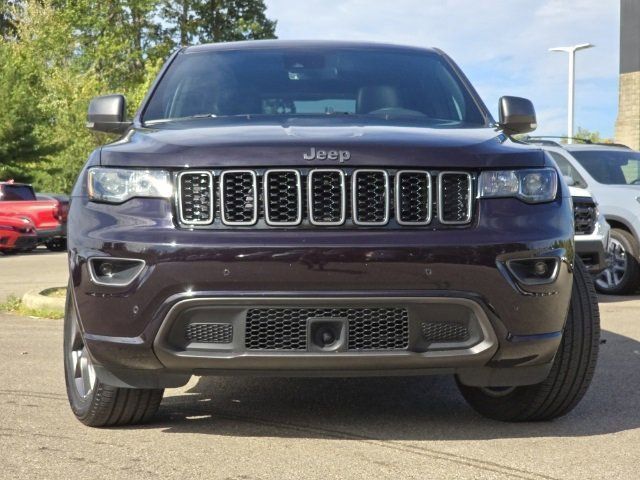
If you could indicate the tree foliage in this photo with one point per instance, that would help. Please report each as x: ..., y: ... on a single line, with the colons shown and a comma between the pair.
x: 55, y: 55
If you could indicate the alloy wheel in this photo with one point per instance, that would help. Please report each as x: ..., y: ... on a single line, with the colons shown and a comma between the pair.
x: 612, y: 276
x: 84, y: 375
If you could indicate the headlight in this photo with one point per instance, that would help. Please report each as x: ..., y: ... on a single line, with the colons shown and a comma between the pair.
x: 117, y: 185
x: 531, y: 186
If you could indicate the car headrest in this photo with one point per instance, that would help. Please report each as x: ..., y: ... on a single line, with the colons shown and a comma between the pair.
x: 375, y: 97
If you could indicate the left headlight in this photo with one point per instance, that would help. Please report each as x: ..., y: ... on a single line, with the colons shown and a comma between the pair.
x: 531, y: 186
x: 117, y: 185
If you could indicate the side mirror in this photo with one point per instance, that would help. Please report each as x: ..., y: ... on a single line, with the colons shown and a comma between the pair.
x: 517, y: 115
x: 107, y: 114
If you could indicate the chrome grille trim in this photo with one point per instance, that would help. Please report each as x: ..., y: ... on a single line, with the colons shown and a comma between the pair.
x: 265, y: 190
x: 223, y: 211
x: 469, y: 205
x: 398, y: 194
x: 343, y: 194
x: 180, y: 203
x: 354, y: 196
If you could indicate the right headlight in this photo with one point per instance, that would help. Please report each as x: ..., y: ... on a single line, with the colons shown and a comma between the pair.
x: 117, y: 185
x: 531, y: 185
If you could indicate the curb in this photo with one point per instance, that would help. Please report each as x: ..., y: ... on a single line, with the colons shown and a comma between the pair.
x: 36, y: 300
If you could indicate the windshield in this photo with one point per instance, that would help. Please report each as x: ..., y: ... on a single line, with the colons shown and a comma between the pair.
x: 380, y: 83
x: 611, y: 167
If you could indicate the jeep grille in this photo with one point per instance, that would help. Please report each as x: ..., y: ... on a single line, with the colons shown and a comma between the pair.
x: 324, y: 197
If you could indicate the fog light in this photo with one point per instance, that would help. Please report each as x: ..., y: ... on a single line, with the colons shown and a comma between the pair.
x: 114, y: 272
x: 534, y: 271
x: 540, y: 269
x: 106, y: 269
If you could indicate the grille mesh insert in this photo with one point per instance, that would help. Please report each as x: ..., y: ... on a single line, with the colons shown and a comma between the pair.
x: 370, y: 197
x: 444, y: 332
x: 282, y: 197
x: 327, y: 196
x: 209, y: 332
x: 239, y: 197
x: 455, y: 195
x: 196, y: 198
x: 413, y: 197
x: 286, y: 328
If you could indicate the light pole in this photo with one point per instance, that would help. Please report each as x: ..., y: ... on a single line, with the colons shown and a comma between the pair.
x: 572, y: 73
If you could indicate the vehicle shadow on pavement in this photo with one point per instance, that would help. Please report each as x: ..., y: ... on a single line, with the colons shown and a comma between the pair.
x: 393, y: 408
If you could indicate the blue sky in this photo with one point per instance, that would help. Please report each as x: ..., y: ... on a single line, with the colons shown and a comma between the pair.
x: 502, y: 45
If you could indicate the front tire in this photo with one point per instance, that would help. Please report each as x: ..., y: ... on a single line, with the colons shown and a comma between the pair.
x: 570, y: 375
x: 94, y: 403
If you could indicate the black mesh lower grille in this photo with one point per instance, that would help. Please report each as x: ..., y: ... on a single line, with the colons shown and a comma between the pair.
x: 444, y: 332
x: 209, y: 332
x: 413, y: 197
x: 286, y: 328
x: 455, y: 195
x: 370, y: 197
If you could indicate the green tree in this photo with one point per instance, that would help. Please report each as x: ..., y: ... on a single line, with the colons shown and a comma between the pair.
x: 55, y: 55
x: 206, y: 21
x: 592, y: 137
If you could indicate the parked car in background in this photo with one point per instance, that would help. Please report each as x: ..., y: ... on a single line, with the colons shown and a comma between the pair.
x: 612, y: 174
x: 58, y: 243
x: 592, y: 232
x: 17, y: 234
x: 48, y: 215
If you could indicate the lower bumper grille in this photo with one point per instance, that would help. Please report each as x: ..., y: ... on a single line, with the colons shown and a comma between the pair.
x: 285, y: 329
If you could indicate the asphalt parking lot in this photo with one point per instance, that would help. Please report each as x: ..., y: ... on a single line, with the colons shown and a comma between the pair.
x: 251, y: 428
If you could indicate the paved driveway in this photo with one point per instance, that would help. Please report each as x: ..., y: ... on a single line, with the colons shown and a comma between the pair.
x: 244, y: 428
x: 39, y: 269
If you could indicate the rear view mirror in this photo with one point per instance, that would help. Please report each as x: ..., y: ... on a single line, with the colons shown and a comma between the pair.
x: 517, y: 115
x: 107, y: 114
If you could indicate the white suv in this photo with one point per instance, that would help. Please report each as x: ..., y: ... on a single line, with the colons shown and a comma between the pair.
x: 612, y: 174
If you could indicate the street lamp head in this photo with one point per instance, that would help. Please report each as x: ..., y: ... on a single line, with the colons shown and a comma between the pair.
x: 572, y: 48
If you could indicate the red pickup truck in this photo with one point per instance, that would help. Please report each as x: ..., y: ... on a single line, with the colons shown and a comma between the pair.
x: 47, y: 215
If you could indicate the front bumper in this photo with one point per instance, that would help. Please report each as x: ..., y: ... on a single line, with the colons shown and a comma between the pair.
x: 128, y: 328
x: 593, y: 249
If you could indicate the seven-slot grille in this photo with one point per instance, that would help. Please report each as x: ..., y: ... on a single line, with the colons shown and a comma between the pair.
x: 585, y: 216
x: 285, y: 329
x: 324, y: 197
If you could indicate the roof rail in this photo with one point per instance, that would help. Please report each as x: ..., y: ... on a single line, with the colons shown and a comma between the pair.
x: 542, y: 140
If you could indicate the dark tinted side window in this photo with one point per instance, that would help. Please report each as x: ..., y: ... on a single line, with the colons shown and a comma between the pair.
x: 17, y: 192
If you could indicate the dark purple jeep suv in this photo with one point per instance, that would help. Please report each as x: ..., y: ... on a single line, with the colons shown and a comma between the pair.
x: 322, y: 209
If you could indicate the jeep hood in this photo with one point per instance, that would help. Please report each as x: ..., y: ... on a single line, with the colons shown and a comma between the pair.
x: 243, y: 142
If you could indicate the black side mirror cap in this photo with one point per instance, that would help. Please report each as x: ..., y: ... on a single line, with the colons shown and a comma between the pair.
x: 107, y: 114
x: 517, y: 115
